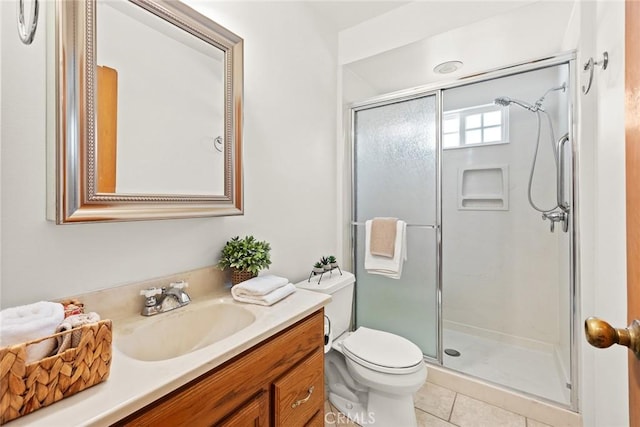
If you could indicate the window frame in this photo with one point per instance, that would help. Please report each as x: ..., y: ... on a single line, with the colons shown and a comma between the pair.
x: 463, y: 113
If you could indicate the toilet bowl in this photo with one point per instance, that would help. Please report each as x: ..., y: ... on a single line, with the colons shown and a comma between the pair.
x: 371, y: 375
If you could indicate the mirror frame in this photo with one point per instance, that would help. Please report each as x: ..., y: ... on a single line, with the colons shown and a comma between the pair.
x: 71, y: 92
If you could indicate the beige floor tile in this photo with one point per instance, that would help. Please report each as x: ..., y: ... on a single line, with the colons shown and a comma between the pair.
x: 435, y: 400
x: 341, y: 419
x: 428, y: 420
x: 468, y: 412
x: 534, y: 423
x: 329, y: 416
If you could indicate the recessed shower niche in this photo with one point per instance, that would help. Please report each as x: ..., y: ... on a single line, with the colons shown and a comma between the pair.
x: 483, y: 188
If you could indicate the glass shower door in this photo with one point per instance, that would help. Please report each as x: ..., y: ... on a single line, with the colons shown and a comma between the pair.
x: 506, y: 277
x: 395, y: 175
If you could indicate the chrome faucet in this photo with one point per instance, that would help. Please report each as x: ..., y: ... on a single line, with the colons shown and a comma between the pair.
x: 161, y: 300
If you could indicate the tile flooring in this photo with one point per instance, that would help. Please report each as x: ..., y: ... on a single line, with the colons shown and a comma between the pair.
x: 437, y: 406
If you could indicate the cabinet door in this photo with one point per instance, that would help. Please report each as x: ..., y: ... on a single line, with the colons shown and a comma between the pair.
x: 316, y: 421
x: 252, y: 414
x: 299, y: 394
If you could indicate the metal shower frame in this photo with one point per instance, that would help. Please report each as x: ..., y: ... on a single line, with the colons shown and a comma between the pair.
x: 436, y: 90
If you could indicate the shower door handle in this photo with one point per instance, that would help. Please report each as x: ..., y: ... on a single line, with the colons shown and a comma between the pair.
x: 562, y: 203
x: 602, y: 335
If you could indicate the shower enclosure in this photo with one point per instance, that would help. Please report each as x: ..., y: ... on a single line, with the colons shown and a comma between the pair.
x: 482, y: 172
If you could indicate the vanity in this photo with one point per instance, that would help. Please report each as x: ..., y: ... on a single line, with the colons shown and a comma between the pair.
x: 278, y: 382
x: 267, y: 370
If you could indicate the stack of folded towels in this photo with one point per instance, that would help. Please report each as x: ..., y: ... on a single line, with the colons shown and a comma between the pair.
x: 30, y: 322
x: 385, y: 247
x: 38, y: 320
x: 263, y: 290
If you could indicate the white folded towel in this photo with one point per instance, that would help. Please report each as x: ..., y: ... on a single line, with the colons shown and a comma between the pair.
x: 260, y: 285
x: 388, y: 267
x: 30, y: 322
x: 267, y: 299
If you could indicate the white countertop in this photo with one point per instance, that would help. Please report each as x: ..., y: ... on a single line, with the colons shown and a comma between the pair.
x: 133, y: 384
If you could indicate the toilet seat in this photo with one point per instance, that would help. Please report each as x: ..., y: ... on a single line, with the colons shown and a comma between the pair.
x: 382, y: 351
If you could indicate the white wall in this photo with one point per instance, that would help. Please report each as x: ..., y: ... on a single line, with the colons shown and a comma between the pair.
x: 290, y: 172
x: 501, y: 267
x: 418, y: 20
x: 602, y: 229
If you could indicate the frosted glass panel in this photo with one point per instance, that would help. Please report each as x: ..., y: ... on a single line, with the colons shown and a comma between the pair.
x: 395, y: 173
x: 395, y: 161
x: 406, y: 307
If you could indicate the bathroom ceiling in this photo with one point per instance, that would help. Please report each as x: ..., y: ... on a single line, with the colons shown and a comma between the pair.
x: 506, y: 36
x: 339, y: 15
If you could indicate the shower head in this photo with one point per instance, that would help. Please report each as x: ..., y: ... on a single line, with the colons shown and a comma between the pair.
x: 505, y: 101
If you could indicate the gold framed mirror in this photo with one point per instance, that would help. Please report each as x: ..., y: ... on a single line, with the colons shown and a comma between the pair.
x: 144, y: 112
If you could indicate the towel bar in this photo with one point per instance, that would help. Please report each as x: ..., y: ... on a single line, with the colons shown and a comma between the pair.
x: 408, y: 225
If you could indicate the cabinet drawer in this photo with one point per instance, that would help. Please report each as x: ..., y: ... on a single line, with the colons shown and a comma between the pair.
x: 299, y: 394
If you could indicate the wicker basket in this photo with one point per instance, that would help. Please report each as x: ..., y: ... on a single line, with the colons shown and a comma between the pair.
x: 239, y: 276
x: 25, y: 388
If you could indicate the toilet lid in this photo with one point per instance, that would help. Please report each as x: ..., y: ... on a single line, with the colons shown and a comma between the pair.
x: 382, y: 351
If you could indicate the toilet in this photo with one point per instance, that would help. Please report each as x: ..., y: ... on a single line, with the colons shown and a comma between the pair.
x: 371, y: 375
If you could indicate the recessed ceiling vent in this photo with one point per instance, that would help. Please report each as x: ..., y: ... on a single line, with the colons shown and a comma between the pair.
x: 447, y: 67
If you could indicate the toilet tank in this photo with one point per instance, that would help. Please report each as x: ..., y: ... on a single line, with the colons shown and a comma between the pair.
x: 340, y: 287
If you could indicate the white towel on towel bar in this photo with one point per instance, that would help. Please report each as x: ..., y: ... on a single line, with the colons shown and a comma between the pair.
x: 388, y: 267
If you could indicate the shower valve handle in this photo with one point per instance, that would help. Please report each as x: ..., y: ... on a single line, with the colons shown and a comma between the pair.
x: 602, y: 335
x: 557, y: 216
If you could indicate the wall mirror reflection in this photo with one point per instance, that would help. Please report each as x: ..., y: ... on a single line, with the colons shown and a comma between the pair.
x: 148, y: 124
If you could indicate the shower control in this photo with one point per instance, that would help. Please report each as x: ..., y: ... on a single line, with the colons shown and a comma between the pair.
x: 557, y: 216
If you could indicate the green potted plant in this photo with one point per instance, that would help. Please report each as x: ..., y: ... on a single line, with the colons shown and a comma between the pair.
x: 246, y: 257
x: 318, y: 268
x: 325, y: 263
x: 332, y: 261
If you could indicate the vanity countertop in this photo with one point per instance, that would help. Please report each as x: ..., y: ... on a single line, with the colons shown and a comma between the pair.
x: 133, y: 384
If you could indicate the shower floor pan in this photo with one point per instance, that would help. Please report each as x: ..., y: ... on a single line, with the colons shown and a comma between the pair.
x: 529, y: 370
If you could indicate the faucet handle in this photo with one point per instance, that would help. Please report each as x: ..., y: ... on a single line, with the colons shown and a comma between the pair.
x: 179, y: 285
x: 150, y: 292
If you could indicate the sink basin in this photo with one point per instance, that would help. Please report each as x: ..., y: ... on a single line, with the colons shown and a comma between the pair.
x: 168, y: 335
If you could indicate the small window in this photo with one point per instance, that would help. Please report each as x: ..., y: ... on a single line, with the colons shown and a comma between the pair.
x: 481, y: 125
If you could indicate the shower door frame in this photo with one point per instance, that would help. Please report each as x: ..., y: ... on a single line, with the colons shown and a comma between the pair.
x: 354, y: 108
x: 437, y: 90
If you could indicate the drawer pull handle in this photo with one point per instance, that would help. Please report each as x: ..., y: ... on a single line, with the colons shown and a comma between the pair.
x: 305, y: 400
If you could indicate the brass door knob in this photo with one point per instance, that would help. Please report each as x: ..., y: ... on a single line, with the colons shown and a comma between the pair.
x: 602, y: 335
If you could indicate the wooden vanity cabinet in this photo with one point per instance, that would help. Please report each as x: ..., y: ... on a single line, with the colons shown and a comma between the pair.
x: 279, y: 382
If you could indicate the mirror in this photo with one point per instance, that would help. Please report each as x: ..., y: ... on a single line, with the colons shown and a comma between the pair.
x: 146, y: 113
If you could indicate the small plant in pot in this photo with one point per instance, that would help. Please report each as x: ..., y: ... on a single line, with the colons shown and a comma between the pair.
x: 333, y: 262
x: 246, y: 257
x: 325, y: 263
x: 318, y: 268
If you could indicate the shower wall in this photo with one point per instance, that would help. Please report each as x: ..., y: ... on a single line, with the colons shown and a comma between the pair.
x: 505, y: 276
